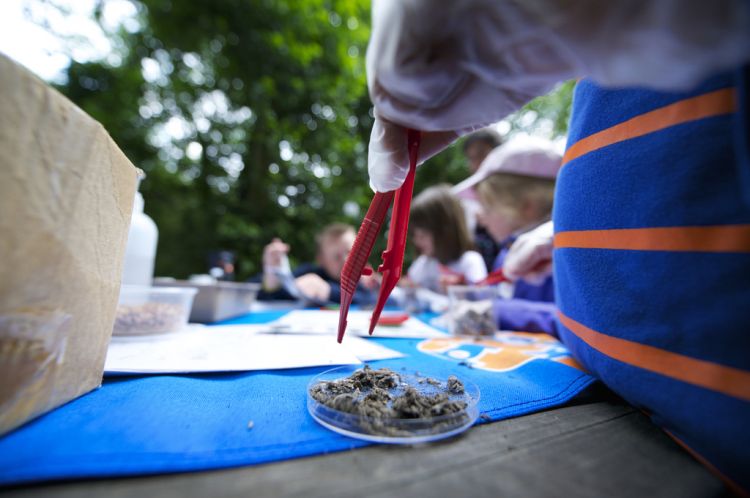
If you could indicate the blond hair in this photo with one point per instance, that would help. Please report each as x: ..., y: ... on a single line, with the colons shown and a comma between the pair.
x: 509, y: 189
x: 332, y: 232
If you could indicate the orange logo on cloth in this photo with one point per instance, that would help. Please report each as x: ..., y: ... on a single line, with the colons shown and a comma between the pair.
x: 504, y: 352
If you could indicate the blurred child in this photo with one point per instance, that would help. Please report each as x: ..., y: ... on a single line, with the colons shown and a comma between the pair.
x: 314, y: 283
x: 478, y: 145
x: 515, y: 185
x: 438, y: 230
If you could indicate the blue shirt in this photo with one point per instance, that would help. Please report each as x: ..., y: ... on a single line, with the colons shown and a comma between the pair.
x: 532, y: 307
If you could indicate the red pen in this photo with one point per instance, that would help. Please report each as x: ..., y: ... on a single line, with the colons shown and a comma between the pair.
x: 498, y: 276
x: 460, y: 279
x: 493, y: 278
x: 393, y: 256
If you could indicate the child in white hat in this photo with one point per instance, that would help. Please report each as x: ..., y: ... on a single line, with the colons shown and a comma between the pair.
x: 515, y: 186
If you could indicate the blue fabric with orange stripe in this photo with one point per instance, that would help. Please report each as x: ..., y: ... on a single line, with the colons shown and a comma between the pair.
x: 660, y: 315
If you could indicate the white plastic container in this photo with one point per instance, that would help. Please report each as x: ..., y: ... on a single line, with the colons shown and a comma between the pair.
x: 152, y: 310
x: 140, y: 252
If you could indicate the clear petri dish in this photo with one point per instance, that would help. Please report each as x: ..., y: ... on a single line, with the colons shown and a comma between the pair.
x: 395, y: 429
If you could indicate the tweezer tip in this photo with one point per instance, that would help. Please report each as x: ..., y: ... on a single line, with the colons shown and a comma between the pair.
x: 343, y: 312
x: 374, y: 320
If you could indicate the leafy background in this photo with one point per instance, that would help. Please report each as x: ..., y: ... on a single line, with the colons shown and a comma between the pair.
x: 251, y: 120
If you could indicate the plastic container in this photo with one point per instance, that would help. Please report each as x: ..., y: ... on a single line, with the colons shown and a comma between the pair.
x: 470, y: 310
x: 144, y: 310
x: 397, y: 430
x: 217, y: 301
x: 140, y: 252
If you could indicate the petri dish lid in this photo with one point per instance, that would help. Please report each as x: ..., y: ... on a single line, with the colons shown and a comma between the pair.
x: 395, y: 430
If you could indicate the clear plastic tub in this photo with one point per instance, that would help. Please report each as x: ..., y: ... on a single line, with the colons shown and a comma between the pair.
x: 144, y: 310
x: 396, y: 430
x: 471, y: 310
x: 32, y: 347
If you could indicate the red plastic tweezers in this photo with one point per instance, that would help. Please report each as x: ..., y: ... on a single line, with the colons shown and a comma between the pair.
x: 393, y: 256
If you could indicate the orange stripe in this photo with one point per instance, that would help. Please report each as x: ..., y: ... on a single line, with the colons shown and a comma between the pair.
x: 718, y: 238
x: 726, y: 380
x: 703, y: 106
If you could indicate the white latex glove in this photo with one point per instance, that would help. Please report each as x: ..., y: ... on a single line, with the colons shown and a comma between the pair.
x: 530, y: 256
x: 436, y: 66
x: 661, y: 44
x: 388, y: 157
x: 457, y: 66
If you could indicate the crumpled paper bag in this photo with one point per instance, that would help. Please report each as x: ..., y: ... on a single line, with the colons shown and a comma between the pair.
x: 66, y: 195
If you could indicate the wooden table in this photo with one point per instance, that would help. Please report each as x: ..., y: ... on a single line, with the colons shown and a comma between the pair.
x: 597, y: 446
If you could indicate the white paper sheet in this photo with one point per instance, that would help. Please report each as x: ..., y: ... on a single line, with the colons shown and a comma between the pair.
x: 325, y: 322
x: 366, y: 350
x: 234, y: 348
x: 363, y: 349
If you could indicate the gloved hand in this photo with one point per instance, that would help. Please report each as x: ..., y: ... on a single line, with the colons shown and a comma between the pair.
x: 447, y: 69
x: 454, y: 67
x: 530, y: 256
x: 388, y: 156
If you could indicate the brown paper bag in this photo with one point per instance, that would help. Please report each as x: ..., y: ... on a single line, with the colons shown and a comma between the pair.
x: 66, y: 195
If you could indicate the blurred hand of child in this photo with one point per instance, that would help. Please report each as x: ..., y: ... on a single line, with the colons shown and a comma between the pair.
x: 530, y: 256
x: 371, y: 281
x: 313, y: 287
x: 274, y: 261
x: 406, y: 282
x: 448, y: 279
x: 274, y: 253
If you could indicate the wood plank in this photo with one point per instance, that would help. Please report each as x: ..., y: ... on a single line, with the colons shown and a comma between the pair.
x: 601, y: 448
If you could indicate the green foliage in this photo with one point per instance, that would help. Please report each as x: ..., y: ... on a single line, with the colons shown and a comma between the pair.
x: 547, y: 115
x: 250, y: 119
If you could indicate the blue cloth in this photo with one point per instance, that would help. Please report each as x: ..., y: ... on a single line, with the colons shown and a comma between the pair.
x: 742, y: 131
x: 532, y: 308
x: 666, y: 329
x: 165, y: 423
